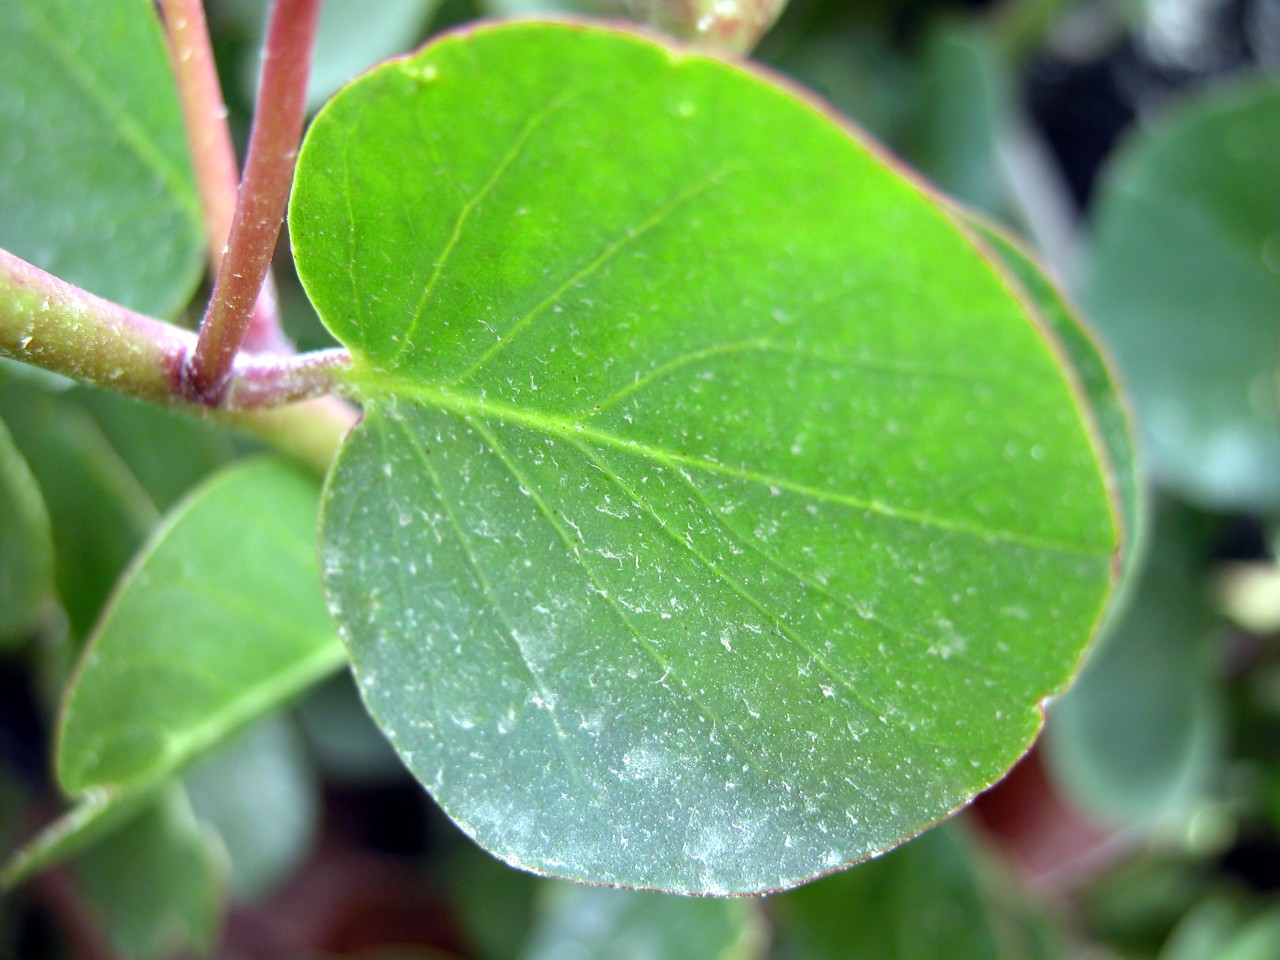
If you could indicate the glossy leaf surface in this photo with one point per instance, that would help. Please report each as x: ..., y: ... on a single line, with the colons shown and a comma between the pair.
x: 1184, y: 282
x: 204, y: 634
x: 95, y: 181
x: 577, y: 921
x: 26, y: 546
x: 719, y: 517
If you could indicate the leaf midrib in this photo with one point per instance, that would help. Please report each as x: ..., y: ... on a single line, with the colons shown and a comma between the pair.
x: 373, y: 385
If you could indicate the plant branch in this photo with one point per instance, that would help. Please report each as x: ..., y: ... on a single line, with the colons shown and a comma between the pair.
x: 212, y: 154
x: 272, y: 381
x: 273, y: 148
x: 52, y: 324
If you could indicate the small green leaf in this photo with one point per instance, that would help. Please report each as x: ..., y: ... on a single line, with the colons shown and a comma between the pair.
x: 259, y: 795
x: 26, y: 547
x: 158, y: 884
x: 579, y: 921
x: 719, y: 516
x: 1184, y: 283
x: 95, y: 180
x: 219, y: 620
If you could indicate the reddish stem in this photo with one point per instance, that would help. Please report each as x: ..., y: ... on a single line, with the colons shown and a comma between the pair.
x: 273, y: 149
x: 52, y: 324
x: 213, y: 155
x: 273, y: 381
x: 206, y: 119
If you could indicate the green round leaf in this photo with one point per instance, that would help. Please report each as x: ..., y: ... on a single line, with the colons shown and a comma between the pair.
x: 95, y: 179
x: 1185, y: 282
x: 719, y: 516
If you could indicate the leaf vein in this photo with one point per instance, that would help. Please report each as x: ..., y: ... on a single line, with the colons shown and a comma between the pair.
x: 611, y: 250
x: 750, y: 757
x: 559, y: 425
x: 513, y: 635
x: 464, y: 214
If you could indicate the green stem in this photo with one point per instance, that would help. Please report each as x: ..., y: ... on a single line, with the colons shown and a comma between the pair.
x: 49, y: 323
x: 273, y: 149
x: 52, y: 324
x: 309, y: 433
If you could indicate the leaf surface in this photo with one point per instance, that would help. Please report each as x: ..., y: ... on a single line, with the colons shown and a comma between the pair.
x: 718, y: 517
x: 1184, y: 282
x: 95, y: 180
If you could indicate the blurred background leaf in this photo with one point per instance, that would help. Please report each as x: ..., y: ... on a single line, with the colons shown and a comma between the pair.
x: 259, y: 793
x: 353, y: 35
x: 933, y: 897
x: 95, y: 180
x: 157, y: 884
x: 1184, y: 280
x: 602, y: 924
x: 1139, y: 737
